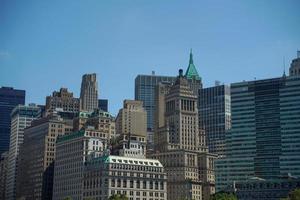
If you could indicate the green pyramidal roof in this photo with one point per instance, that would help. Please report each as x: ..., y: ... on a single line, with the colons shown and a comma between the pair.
x: 191, y: 72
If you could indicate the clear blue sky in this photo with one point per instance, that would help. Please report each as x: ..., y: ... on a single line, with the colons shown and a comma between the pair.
x: 45, y: 45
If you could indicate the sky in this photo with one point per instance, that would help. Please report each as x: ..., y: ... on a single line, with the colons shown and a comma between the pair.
x: 46, y: 45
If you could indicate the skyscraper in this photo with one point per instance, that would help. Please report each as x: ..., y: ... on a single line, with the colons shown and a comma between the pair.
x: 37, y: 156
x: 214, y: 116
x: 9, y: 99
x: 21, y: 118
x: 264, y: 139
x: 180, y: 145
x: 144, y: 91
x: 64, y: 100
x: 89, y: 92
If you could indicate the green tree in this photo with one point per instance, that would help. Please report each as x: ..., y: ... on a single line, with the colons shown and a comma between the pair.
x: 293, y: 195
x: 223, y: 196
x: 68, y: 198
x: 118, y: 197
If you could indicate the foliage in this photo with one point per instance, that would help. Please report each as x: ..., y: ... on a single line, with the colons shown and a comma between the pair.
x: 293, y: 195
x: 68, y: 198
x: 223, y: 196
x: 118, y: 197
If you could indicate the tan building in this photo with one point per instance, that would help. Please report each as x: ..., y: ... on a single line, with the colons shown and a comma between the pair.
x: 37, y: 154
x: 180, y: 143
x: 89, y: 92
x: 131, y: 126
x: 63, y: 100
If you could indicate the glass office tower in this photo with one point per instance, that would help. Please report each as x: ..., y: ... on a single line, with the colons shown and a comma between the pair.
x: 9, y: 99
x: 264, y: 140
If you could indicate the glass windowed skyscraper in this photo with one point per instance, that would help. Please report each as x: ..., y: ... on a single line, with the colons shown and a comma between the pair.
x: 264, y: 140
x: 9, y: 99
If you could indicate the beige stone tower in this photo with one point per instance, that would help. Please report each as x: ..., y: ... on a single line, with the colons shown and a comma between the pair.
x: 89, y: 92
x: 180, y: 144
x: 131, y: 125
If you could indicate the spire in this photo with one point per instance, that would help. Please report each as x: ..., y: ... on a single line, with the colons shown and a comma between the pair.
x: 191, y: 72
x: 284, y: 75
x: 191, y: 57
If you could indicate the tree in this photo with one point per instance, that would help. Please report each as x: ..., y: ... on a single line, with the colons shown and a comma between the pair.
x: 118, y: 197
x: 68, y: 198
x: 293, y: 195
x: 223, y: 196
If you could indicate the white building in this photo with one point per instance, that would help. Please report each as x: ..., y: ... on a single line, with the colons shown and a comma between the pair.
x: 137, y: 178
x: 21, y: 117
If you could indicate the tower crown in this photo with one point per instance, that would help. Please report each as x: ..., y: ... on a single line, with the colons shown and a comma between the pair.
x: 191, y: 72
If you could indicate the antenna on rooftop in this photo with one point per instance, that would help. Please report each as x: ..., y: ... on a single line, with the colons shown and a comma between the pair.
x: 283, y: 65
x: 298, y: 53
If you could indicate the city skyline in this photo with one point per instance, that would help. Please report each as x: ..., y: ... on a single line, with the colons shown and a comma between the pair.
x: 239, y: 41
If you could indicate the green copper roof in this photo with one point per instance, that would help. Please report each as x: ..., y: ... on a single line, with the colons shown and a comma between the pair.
x: 70, y: 136
x: 191, y: 72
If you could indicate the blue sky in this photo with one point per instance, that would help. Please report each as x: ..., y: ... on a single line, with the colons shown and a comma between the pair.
x: 45, y: 45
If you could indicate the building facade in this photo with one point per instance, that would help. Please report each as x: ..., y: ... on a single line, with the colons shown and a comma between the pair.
x: 37, y: 155
x: 64, y: 100
x: 137, y: 178
x: 89, y: 92
x: 263, y: 141
x: 21, y: 118
x: 72, y: 151
x: 103, y: 104
x: 9, y: 99
x: 274, y: 189
x: 295, y: 66
x: 3, y: 174
x: 180, y: 143
x: 215, y: 116
x: 144, y: 91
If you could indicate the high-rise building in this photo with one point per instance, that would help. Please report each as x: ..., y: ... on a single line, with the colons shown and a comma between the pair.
x: 131, y: 125
x: 180, y: 144
x: 37, y: 154
x: 144, y: 91
x: 72, y: 151
x: 103, y: 104
x: 9, y: 99
x: 295, y: 66
x: 214, y: 116
x: 63, y: 100
x: 264, y: 139
x: 3, y: 174
x: 89, y: 92
x: 21, y: 118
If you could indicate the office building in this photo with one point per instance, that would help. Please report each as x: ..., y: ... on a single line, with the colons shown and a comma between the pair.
x: 131, y: 125
x: 214, y: 116
x: 144, y: 91
x: 21, y: 118
x: 3, y: 174
x: 62, y: 100
x: 137, y: 178
x: 37, y: 154
x: 180, y: 143
x: 264, y: 139
x: 72, y: 151
x: 9, y: 99
x: 103, y: 104
x: 295, y: 66
x: 262, y: 189
x: 89, y: 92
